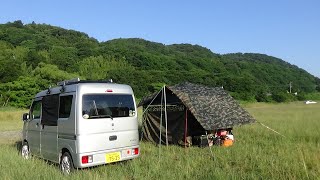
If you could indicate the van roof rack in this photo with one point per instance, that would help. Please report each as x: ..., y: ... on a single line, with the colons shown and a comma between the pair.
x: 93, y: 81
x: 77, y: 80
x: 71, y: 81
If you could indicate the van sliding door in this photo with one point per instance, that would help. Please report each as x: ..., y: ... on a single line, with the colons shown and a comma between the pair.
x: 49, y: 121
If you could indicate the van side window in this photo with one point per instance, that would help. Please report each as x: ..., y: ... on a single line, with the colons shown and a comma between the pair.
x: 35, y: 110
x: 50, y: 110
x: 65, y: 106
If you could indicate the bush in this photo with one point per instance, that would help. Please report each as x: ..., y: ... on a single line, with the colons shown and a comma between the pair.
x: 283, y: 97
x: 243, y: 96
x: 263, y: 97
x: 312, y: 96
x: 301, y: 97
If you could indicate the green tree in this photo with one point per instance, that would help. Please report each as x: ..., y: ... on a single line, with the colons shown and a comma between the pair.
x: 10, y: 61
x: 99, y: 67
x: 51, y: 74
x: 19, y: 93
x: 64, y: 57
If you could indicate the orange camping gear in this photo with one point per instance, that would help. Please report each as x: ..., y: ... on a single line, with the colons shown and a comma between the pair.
x: 227, y: 142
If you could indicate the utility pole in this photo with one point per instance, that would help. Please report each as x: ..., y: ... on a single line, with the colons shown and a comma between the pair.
x: 290, y: 85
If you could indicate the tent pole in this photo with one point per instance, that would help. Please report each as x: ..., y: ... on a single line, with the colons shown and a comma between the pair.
x: 209, y: 145
x: 160, y: 125
x: 165, y: 113
x: 160, y: 135
x: 186, y: 128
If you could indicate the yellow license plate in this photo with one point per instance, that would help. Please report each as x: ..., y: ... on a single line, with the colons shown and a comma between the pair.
x: 113, y: 157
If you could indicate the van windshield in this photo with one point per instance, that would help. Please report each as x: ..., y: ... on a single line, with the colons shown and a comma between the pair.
x: 107, y: 106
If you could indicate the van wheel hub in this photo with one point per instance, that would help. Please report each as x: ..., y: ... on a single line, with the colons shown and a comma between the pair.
x: 25, y: 151
x: 66, y: 165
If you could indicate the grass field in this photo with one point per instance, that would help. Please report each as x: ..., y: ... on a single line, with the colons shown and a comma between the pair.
x: 11, y: 119
x: 258, y: 153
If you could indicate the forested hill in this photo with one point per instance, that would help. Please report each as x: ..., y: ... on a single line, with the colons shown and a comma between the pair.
x: 34, y: 56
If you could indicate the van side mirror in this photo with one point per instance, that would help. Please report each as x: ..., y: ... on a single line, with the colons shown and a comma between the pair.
x: 25, y: 116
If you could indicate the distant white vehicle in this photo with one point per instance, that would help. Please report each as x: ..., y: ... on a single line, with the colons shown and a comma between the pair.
x: 310, y: 102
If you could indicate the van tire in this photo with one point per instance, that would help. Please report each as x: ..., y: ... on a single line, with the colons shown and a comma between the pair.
x: 66, y: 163
x: 25, y: 151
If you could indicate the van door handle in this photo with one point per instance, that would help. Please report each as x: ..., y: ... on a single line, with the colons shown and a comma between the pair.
x: 112, y: 138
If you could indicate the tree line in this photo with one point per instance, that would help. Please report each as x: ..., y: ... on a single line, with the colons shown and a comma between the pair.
x: 36, y: 56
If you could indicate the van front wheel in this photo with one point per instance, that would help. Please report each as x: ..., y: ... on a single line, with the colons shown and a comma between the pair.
x: 66, y: 164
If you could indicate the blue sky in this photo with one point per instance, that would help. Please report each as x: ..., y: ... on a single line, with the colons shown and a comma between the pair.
x: 287, y: 29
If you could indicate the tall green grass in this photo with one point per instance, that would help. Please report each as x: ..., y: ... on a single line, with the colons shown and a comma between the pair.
x: 258, y: 153
x: 11, y: 118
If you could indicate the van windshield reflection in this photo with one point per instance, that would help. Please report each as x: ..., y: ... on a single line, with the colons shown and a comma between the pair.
x: 107, y: 106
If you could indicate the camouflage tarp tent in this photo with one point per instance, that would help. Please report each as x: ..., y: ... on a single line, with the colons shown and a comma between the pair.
x: 189, y: 110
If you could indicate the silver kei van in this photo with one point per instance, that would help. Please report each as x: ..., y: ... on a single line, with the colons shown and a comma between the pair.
x: 80, y: 124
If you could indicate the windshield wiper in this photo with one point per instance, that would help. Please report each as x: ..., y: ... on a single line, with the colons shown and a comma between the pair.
x: 102, y: 116
x: 95, y: 107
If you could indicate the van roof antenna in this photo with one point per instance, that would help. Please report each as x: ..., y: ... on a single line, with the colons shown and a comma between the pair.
x: 49, y: 90
x: 63, y: 88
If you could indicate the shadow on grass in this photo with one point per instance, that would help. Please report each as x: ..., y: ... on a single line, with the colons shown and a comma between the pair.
x: 18, y: 146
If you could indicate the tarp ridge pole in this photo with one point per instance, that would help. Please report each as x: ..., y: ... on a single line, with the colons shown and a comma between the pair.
x: 165, y: 113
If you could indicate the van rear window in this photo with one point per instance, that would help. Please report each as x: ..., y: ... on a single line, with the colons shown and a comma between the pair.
x: 107, y: 106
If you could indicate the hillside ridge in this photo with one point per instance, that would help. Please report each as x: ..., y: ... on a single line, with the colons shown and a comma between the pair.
x: 34, y: 56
